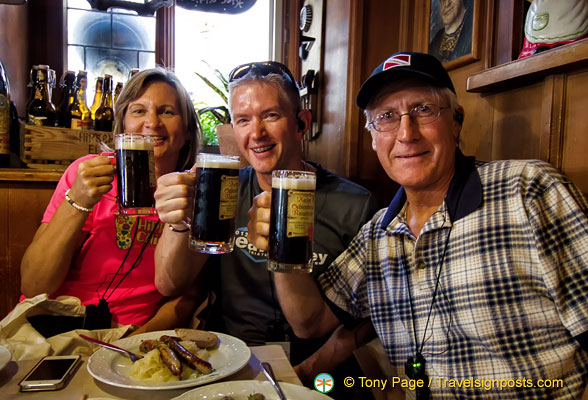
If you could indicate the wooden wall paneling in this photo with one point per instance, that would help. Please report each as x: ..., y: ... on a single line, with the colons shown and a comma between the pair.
x: 165, y: 28
x: 476, y: 135
x: 5, y: 295
x: 26, y: 203
x: 329, y: 147
x: 510, y: 17
x: 385, y: 27
x: 354, y: 80
x: 13, y: 51
x: 574, y: 162
x: 406, y: 17
x: 552, y: 121
x: 419, y: 15
x: 47, y: 34
x: 488, y: 33
x: 517, y: 123
x: 351, y: 52
x: 291, y: 35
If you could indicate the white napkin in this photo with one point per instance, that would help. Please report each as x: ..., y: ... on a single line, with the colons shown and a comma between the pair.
x: 25, y: 343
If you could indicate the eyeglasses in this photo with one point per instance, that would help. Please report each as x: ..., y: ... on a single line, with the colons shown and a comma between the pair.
x: 263, y: 69
x: 421, y: 114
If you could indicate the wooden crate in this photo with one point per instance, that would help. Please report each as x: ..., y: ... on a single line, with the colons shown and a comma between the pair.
x: 43, y: 147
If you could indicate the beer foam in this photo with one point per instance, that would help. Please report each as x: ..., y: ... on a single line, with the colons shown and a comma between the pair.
x: 133, y: 142
x: 293, y: 183
x: 206, y: 160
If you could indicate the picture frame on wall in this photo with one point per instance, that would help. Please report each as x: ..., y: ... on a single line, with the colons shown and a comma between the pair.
x: 453, y: 31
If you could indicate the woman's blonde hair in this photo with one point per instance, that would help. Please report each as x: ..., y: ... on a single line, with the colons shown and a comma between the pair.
x: 137, y: 85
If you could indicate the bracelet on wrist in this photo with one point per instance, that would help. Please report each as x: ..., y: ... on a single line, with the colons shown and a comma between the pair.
x: 76, y: 205
x: 171, y: 228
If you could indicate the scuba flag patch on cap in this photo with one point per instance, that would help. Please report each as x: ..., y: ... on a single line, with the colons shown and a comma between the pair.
x: 399, y: 60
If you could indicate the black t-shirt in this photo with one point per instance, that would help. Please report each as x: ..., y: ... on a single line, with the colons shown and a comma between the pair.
x: 247, y: 306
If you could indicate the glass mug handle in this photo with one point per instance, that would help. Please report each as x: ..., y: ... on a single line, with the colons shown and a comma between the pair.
x: 110, y: 155
x: 186, y: 222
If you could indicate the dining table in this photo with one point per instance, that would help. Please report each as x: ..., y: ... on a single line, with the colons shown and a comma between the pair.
x: 82, y: 386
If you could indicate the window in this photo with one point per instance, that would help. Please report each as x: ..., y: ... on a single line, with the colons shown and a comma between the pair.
x: 116, y: 41
x: 222, y: 41
x: 112, y: 42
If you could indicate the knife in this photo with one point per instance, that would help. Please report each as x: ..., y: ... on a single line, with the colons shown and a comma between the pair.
x: 269, y: 374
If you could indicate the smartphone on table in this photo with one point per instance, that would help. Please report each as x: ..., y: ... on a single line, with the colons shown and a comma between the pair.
x: 51, y: 373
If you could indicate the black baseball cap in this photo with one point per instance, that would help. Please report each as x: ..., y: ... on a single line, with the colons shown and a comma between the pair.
x: 402, y: 65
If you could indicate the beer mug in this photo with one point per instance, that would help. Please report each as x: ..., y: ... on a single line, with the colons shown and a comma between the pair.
x: 135, y: 174
x: 291, y: 221
x: 212, y: 229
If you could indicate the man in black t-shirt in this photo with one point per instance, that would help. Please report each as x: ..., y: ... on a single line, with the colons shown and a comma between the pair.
x: 269, y: 125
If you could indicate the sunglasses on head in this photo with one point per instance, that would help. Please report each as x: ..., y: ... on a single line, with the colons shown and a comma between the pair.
x: 262, y: 69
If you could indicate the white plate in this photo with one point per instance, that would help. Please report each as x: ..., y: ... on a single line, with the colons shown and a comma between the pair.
x: 239, y: 390
x: 113, y: 368
x: 5, y: 356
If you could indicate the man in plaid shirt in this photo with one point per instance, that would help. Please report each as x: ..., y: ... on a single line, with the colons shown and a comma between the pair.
x: 475, y: 276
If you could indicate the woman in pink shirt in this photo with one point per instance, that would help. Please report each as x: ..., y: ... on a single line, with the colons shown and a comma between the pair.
x: 93, y: 253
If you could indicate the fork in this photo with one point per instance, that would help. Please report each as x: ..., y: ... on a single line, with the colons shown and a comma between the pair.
x: 134, y: 357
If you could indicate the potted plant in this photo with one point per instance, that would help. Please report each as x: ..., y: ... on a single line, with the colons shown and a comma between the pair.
x: 216, y: 120
x: 210, y: 119
x: 212, y: 116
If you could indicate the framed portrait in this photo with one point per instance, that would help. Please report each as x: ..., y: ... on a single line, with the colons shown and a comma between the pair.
x: 453, y: 31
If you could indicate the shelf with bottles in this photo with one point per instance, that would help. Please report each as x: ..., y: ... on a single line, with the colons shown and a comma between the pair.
x: 73, y: 110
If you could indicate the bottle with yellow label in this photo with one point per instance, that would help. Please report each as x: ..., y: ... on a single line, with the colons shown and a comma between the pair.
x: 97, y: 96
x: 105, y: 114
x: 79, y: 113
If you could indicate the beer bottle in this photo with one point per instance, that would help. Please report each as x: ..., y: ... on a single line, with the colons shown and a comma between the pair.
x: 117, y: 91
x: 14, y: 132
x: 41, y: 110
x: 105, y: 113
x: 32, y: 83
x: 67, y: 85
x: 79, y: 113
x: 4, y: 118
x: 97, y: 96
x: 51, y: 79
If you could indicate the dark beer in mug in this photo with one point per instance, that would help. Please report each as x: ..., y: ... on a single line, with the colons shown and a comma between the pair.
x: 291, y: 221
x: 215, y: 203
x: 135, y: 174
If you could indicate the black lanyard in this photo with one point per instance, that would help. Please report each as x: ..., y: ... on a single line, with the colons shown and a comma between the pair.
x: 133, y: 266
x: 415, y: 367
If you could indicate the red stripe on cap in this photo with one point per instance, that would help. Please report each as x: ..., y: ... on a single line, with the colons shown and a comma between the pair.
x: 399, y: 60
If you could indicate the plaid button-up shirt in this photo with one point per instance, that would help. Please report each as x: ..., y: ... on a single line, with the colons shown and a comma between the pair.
x: 513, y: 283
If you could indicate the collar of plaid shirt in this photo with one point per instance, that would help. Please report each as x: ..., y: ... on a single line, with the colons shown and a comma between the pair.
x: 466, y: 177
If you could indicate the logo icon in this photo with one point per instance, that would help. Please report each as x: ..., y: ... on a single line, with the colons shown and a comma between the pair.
x: 399, y: 60
x: 324, y: 383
